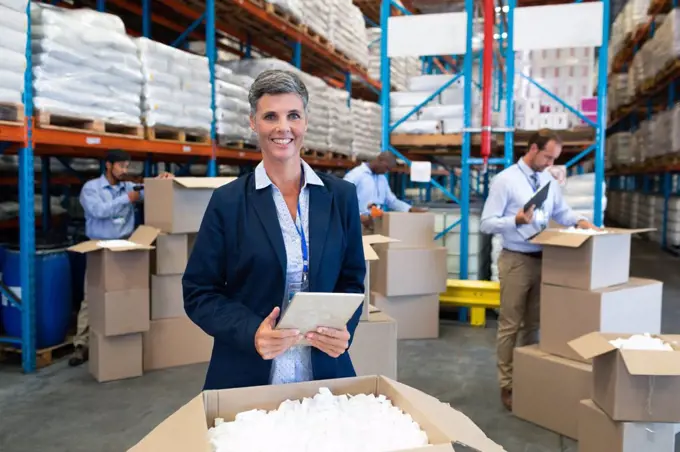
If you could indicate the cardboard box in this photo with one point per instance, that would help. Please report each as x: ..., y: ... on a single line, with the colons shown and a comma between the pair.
x: 175, y: 342
x: 417, y: 316
x: 412, y: 230
x: 547, y: 389
x: 567, y: 313
x: 598, y: 433
x: 177, y: 205
x: 119, y: 264
x: 374, y: 347
x: 187, y: 428
x: 413, y: 271
x: 167, y: 298
x: 633, y: 385
x: 172, y: 253
x: 118, y: 313
x: 115, y: 358
x: 586, y: 261
x: 370, y: 255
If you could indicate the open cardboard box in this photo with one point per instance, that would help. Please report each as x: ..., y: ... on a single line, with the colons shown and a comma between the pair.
x: 584, y: 261
x: 177, y: 205
x: 114, y: 265
x: 187, y: 429
x: 633, y: 385
x: 371, y: 255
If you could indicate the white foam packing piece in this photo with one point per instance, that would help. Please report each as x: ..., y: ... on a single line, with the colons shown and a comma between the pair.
x: 325, y: 422
x: 641, y: 342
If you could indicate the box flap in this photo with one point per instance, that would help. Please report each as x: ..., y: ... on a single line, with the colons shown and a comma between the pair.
x: 591, y: 345
x: 454, y: 424
x: 629, y: 231
x: 84, y: 247
x: 652, y: 362
x: 145, y: 235
x: 553, y: 237
x: 203, y: 182
x: 185, y: 430
x: 368, y: 240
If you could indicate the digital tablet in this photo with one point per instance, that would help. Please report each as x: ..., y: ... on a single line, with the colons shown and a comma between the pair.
x: 539, y: 198
x: 308, y: 311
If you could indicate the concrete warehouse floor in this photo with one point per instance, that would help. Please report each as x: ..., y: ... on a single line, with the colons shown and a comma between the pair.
x: 64, y: 409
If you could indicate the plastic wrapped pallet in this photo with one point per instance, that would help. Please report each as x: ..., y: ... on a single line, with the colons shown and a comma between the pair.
x: 579, y: 193
x: 316, y: 15
x: 347, y: 31
x: 84, y: 65
x: 292, y: 7
x: 620, y: 148
x: 177, y: 87
x: 13, y: 29
x: 419, y: 127
x: 231, y: 106
x: 366, y: 121
x: 661, y: 142
x: 341, y: 130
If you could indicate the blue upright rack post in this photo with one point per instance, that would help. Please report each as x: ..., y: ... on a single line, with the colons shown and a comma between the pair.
x: 211, y: 53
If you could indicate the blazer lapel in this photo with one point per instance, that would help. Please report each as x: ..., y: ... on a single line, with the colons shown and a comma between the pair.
x: 320, y: 201
x: 266, y: 212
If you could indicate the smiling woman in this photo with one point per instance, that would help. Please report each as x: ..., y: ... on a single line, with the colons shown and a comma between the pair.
x: 263, y: 238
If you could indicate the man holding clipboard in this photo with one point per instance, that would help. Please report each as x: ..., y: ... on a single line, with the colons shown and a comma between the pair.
x: 522, y: 200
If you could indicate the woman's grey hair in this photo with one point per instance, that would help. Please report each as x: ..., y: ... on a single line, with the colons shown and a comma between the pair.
x: 276, y: 81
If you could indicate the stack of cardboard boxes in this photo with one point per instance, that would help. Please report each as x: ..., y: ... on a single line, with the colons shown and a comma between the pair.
x: 176, y: 207
x: 586, y: 287
x: 117, y: 292
x: 137, y: 321
x: 374, y: 347
x: 409, y: 274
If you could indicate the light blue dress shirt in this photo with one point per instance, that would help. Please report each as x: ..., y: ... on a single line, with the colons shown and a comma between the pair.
x: 508, y: 193
x: 374, y: 189
x: 109, y: 214
x: 295, y: 364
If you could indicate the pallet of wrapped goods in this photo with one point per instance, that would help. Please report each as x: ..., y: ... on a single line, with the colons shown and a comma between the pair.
x: 13, y: 27
x: 316, y: 17
x: 176, y: 94
x: 341, y: 130
x: 232, y: 109
x: 367, y: 126
x: 347, y: 31
x: 86, y: 72
x: 288, y: 10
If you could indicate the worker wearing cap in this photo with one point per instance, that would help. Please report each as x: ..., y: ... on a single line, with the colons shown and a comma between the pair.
x: 109, y: 206
x: 519, y: 264
x: 373, y: 189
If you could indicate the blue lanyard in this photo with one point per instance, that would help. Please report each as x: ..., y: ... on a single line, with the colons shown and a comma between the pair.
x: 301, y: 233
x: 528, y: 178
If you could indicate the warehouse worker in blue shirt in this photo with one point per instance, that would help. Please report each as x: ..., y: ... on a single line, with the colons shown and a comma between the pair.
x: 373, y: 188
x: 109, y: 206
x: 519, y: 264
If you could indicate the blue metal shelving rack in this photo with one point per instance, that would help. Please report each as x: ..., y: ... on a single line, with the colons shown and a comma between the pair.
x: 506, y: 82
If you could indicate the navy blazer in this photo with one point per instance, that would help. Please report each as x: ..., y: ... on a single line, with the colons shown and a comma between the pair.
x: 236, y: 273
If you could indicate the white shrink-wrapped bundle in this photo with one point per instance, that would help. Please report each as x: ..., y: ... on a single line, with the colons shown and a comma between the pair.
x: 664, y: 47
x: 317, y: 15
x: 663, y: 129
x: 177, y: 87
x: 367, y: 124
x: 318, y: 111
x: 84, y: 65
x: 348, y: 31
x: 620, y: 148
x: 341, y: 129
x: 13, y: 29
x: 231, y: 106
x: 579, y: 194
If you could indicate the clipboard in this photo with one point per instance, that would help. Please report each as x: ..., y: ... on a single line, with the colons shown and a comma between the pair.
x: 308, y: 311
x: 539, y: 198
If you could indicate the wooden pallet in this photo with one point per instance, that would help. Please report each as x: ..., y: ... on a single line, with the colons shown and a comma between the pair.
x: 43, y: 357
x: 240, y: 144
x: 47, y: 120
x: 176, y: 135
x: 317, y: 37
x: 11, y: 114
x: 278, y: 11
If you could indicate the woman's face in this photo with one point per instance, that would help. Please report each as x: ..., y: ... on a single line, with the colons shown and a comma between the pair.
x: 280, y: 124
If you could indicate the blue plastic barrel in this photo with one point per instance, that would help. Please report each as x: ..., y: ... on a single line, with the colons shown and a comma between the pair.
x: 52, y: 294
